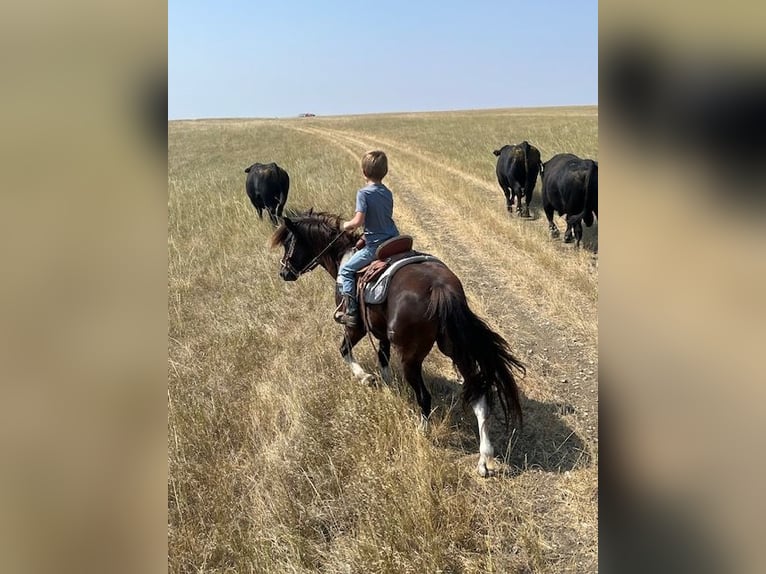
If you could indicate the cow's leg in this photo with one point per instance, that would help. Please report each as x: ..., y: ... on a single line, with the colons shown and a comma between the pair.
x: 569, y: 233
x: 508, y: 197
x: 528, y: 199
x: 578, y: 233
x: 259, y: 205
x: 352, y: 337
x: 517, y: 194
x: 549, y: 215
x: 272, y: 207
x: 281, y: 205
x: 574, y: 229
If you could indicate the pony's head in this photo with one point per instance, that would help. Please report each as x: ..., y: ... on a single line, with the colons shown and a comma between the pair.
x: 310, y: 239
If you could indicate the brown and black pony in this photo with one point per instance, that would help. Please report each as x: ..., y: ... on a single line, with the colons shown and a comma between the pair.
x: 425, y: 304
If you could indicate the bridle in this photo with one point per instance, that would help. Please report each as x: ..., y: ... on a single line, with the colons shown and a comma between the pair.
x: 311, y: 265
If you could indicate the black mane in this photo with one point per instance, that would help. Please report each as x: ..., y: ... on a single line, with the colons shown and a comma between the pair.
x: 316, y: 228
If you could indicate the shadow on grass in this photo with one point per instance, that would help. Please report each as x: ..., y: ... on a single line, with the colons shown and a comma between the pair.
x: 590, y: 237
x: 545, y: 442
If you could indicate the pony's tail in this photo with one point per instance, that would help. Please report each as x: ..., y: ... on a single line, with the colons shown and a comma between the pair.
x: 482, y: 355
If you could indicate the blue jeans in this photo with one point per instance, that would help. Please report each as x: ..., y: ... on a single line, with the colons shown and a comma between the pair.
x: 347, y: 272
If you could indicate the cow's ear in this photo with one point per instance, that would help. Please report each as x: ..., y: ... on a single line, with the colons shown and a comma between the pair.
x: 496, y: 152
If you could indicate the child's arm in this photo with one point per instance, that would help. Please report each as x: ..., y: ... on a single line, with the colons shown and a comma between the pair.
x: 354, y: 222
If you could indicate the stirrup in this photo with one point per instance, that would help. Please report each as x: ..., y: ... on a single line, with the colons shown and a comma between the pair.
x: 337, y: 315
x: 349, y: 320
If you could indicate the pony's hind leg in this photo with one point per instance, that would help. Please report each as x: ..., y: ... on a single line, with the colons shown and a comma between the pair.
x: 351, y: 338
x: 445, y: 346
x: 486, y: 465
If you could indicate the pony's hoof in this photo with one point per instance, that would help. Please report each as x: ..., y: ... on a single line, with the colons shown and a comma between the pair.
x: 368, y: 380
x: 487, y: 468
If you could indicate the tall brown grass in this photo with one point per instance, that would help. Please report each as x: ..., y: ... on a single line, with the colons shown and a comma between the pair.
x: 279, y: 461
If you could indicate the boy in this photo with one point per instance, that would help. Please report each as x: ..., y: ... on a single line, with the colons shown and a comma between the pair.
x: 374, y: 211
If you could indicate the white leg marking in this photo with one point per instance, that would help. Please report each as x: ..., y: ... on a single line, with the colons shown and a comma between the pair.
x: 357, y: 369
x: 486, y: 452
x: 458, y: 374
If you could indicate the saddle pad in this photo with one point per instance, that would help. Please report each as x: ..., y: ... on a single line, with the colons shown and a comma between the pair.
x: 376, y: 291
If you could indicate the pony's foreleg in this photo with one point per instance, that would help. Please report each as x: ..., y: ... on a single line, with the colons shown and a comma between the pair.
x: 384, y: 357
x: 486, y: 465
x: 458, y: 375
x: 413, y: 373
x: 351, y: 338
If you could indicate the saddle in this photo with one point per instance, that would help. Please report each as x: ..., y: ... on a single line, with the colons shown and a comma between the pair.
x: 391, y: 255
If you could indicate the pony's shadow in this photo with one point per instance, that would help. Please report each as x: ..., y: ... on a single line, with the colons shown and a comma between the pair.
x: 545, y: 443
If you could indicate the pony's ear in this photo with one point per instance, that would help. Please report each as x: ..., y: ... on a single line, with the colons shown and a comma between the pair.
x: 496, y: 152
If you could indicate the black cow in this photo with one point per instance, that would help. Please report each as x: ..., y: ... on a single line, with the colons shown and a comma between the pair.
x: 267, y: 186
x: 570, y: 186
x: 517, y: 169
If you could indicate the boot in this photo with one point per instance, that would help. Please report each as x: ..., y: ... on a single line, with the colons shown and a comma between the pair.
x: 350, y: 318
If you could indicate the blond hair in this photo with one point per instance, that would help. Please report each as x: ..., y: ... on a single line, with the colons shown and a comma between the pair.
x: 375, y: 165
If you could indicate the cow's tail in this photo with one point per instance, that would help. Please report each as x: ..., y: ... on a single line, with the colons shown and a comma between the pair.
x: 483, y: 356
x: 525, y: 147
x: 590, y: 193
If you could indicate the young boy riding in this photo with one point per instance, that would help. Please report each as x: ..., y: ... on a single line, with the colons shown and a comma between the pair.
x: 374, y: 211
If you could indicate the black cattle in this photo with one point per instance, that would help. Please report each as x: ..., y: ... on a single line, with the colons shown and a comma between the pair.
x: 517, y: 169
x: 267, y: 186
x: 570, y: 186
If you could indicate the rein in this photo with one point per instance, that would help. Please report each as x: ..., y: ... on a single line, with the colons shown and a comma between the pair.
x: 311, y: 264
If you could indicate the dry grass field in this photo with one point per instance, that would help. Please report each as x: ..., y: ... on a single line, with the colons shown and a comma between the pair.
x: 279, y: 460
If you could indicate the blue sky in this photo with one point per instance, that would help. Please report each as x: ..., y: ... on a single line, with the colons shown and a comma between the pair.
x: 234, y: 58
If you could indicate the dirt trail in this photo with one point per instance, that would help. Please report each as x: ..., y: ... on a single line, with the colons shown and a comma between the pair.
x: 422, y: 155
x: 562, y: 368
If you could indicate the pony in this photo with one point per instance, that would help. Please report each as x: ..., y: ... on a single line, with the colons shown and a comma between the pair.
x: 425, y: 304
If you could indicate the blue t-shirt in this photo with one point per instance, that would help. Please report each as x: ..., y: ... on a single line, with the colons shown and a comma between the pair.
x: 377, y: 204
